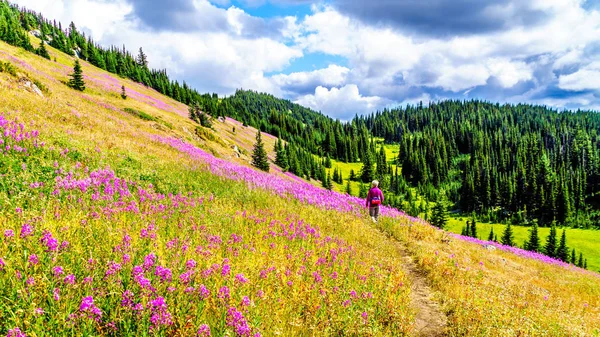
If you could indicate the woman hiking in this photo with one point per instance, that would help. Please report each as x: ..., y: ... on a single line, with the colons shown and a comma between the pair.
x: 374, y: 199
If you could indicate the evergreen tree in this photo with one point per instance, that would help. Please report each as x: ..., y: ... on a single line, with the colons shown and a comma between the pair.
x: 352, y: 175
x: 327, y: 163
x: 42, y: 51
x: 563, y: 252
x: 585, y: 264
x: 280, y: 155
x: 367, y: 169
x: 507, y: 237
x: 550, y: 247
x: 329, y: 182
x: 439, y: 216
x: 573, y: 258
x: 533, y: 243
x: 259, y: 155
x: 142, y: 59
x: 580, y: 261
x: 123, y: 92
x: 473, y: 232
x: 348, y: 188
x: 76, y: 82
x: 491, y: 236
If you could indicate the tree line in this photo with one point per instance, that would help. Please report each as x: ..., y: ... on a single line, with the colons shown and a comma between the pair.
x: 504, y: 162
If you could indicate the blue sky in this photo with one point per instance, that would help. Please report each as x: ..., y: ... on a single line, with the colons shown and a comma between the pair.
x: 347, y: 57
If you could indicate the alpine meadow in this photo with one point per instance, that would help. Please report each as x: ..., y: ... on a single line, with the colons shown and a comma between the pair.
x: 133, y: 203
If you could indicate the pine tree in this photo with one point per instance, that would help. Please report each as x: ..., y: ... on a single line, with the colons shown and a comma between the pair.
x: 327, y: 163
x: 580, y: 261
x: 507, y: 236
x: 573, y: 259
x: 585, y: 264
x: 259, y: 155
x: 491, y: 236
x: 563, y: 252
x: 439, y: 216
x: 533, y: 243
x: 363, y: 191
x: 348, y: 188
x: 367, y: 169
x: 329, y: 182
x: 42, y: 51
x: 142, y: 59
x: 76, y: 82
x: 123, y: 92
x: 280, y: 155
x: 473, y: 232
x: 550, y: 247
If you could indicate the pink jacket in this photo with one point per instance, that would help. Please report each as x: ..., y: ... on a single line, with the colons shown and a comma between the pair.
x: 374, y: 192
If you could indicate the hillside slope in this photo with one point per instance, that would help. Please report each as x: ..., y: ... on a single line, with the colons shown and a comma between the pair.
x: 117, y: 225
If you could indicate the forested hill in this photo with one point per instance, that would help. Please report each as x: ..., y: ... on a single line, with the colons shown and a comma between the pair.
x: 521, y: 161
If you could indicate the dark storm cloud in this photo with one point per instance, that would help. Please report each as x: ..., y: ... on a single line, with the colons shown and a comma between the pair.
x: 443, y: 17
x: 183, y: 16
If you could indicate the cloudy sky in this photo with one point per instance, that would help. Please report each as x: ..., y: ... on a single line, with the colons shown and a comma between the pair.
x: 344, y: 57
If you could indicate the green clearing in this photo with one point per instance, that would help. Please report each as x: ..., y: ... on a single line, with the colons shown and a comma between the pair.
x: 391, y: 153
x: 586, y: 241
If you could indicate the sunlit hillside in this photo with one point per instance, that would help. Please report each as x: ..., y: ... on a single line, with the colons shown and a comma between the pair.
x: 122, y: 217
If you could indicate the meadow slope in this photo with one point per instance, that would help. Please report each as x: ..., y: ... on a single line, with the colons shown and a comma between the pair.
x: 116, y: 225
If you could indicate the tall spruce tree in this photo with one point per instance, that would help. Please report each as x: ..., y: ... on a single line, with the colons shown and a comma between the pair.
x: 280, y: 155
x: 142, y: 59
x: 562, y: 252
x: 473, y: 232
x: 76, y: 82
x: 491, y: 236
x: 259, y: 155
x: 550, y: 247
x: 580, y: 261
x: 439, y: 216
x: 533, y: 243
x: 367, y: 173
x: 573, y: 258
x: 507, y: 238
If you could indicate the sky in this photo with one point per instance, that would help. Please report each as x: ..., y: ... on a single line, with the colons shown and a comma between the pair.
x: 348, y: 57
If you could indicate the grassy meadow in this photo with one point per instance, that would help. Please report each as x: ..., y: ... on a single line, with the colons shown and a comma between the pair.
x: 586, y: 241
x: 117, y: 225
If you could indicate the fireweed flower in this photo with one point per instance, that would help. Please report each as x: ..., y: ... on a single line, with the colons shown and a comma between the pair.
x: 70, y: 279
x: 224, y: 293
x: 9, y: 234
x: 33, y: 259
x: 191, y: 264
x: 16, y: 332
x: 203, y: 291
x: 236, y: 320
x: 240, y: 278
x: 245, y: 301
x: 58, y: 271
x: 56, y: 294
x: 225, y: 270
x: 38, y: 311
x: 50, y: 242
x: 26, y: 230
x: 203, y: 331
x: 87, y: 306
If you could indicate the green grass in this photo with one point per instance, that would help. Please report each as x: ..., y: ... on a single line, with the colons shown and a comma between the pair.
x: 586, y: 241
x: 391, y: 152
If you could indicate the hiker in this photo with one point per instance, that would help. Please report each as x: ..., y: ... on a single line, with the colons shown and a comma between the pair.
x: 374, y: 199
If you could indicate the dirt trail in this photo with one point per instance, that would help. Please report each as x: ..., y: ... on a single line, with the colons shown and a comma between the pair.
x: 430, y: 320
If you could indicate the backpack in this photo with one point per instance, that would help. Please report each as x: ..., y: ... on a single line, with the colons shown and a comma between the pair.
x: 375, y: 201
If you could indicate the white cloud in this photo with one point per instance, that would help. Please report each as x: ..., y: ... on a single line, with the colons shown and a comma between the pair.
x: 342, y: 103
x: 586, y: 78
x: 331, y: 76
